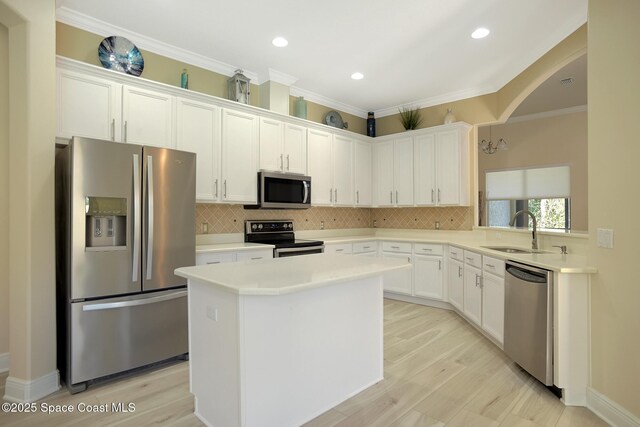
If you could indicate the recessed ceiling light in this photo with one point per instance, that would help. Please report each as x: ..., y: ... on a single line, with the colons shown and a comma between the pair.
x: 280, y: 42
x: 480, y: 33
x: 357, y: 76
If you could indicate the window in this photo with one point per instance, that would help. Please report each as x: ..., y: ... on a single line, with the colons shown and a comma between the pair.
x: 550, y: 213
x: 544, y: 191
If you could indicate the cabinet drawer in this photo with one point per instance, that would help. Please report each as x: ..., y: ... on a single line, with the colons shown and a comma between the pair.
x: 493, y: 265
x: 361, y: 247
x: 254, y: 255
x: 338, y: 248
x: 396, y: 247
x: 472, y: 258
x: 215, y: 258
x: 456, y: 253
x: 427, y: 249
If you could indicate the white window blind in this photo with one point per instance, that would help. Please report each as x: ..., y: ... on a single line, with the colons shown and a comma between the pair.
x: 535, y: 183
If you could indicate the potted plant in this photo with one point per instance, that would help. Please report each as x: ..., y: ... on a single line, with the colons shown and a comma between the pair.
x: 410, y: 118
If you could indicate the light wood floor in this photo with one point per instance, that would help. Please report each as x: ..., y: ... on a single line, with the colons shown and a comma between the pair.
x: 439, y: 371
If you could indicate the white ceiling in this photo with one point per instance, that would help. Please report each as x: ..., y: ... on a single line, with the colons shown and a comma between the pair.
x: 411, y: 52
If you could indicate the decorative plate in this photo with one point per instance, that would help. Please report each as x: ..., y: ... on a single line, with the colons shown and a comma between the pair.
x: 118, y: 53
x: 334, y: 119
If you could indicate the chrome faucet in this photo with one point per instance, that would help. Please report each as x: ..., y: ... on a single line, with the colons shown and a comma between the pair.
x: 534, y: 242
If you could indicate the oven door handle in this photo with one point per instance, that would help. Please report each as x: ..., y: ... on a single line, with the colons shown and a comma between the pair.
x: 302, y: 249
x: 305, y: 184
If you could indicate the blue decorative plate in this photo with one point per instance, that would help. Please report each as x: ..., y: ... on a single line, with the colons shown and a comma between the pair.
x: 118, y: 53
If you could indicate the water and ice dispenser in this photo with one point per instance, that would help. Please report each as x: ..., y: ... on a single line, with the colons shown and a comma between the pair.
x: 106, y: 222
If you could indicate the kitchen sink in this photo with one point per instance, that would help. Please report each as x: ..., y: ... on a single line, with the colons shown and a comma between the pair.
x: 512, y: 250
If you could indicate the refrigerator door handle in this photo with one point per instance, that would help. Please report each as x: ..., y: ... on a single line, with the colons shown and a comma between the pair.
x: 136, y: 218
x: 149, y: 216
x: 135, y: 302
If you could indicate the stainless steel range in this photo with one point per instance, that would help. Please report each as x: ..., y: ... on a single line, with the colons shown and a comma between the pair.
x: 280, y: 233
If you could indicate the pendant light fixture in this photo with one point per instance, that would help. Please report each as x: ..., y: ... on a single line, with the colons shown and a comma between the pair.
x: 489, y: 147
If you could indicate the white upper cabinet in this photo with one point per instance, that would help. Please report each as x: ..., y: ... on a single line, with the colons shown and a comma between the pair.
x: 295, y: 149
x: 403, y: 171
x: 88, y: 106
x: 147, y: 117
x: 442, y: 166
x: 383, y: 173
x: 240, y: 132
x: 283, y: 146
x: 199, y: 131
x: 342, y: 159
x: 362, y: 161
x: 393, y: 171
x: 271, y: 141
x: 319, y: 166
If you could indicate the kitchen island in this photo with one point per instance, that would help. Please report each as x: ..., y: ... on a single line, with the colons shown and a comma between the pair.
x: 280, y: 341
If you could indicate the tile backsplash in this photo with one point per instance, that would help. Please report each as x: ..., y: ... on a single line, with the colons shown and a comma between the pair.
x: 230, y: 218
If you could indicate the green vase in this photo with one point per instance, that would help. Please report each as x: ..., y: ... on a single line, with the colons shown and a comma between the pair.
x: 301, y: 108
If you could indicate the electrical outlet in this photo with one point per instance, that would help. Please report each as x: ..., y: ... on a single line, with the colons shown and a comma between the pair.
x: 437, y: 225
x: 205, y: 228
x: 212, y: 313
x: 321, y: 225
x: 375, y: 223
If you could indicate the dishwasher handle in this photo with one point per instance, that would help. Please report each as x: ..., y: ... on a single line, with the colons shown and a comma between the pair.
x: 527, y: 275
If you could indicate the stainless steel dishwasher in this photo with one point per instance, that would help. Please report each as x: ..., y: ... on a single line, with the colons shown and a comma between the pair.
x: 528, y: 319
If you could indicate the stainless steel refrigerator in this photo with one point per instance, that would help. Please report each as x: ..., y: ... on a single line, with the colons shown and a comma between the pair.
x: 124, y: 222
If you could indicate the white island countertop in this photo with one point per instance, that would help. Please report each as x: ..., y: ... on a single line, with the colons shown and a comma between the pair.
x: 281, y: 276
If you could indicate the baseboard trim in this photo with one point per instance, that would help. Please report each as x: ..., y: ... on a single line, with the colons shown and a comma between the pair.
x: 4, y: 362
x: 418, y: 300
x: 22, y: 391
x: 609, y: 410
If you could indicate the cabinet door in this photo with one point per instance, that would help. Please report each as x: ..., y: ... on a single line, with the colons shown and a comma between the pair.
x: 199, y: 131
x: 448, y: 168
x: 428, y: 277
x: 493, y: 306
x: 403, y: 171
x: 362, y: 173
x: 342, y: 154
x: 399, y: 282
x: 147, y: 117
x: 455, y: 283
x: 271, y: 140
x: 425, y: 170
x: 473, y: 294
x: 239, y: 157
x: 88, y: 107
x: 319, y: 166
x: 383, y: 174
x: 295, y: 149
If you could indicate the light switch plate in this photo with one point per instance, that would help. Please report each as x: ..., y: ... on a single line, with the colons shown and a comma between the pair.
x: 605, y: 238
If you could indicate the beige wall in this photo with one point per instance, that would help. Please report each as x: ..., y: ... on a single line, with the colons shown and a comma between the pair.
x: 614, y: 176
x: 4, y: 190
x: 31, y: 165
x: 81, y: 45
x: 548, y: 141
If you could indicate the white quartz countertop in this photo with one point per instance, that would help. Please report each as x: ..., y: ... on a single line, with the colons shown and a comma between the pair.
x: 236, y: 247
x: 551, y: 260
x: 280, y: 276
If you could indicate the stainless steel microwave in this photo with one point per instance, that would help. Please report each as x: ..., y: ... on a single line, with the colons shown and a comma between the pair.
x: 282, y: 191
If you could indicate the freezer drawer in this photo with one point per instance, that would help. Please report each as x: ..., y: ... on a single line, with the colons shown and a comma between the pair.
x: 117, y: 334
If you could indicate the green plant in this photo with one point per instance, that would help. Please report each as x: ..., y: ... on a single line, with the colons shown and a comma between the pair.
x: 410, y: 118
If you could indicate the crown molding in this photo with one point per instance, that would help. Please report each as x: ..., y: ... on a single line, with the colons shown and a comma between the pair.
x: 104, y: 29
x: 437, y: 100
x: 280, y: 77
x: 327, y: 102
x: 546, y: 114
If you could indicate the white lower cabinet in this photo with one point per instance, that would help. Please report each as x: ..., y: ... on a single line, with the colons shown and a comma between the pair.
x: 428, y: 277
x: 338, y: 248
x: 493, y: 306
x: 455, y: 283
x: 472, y: 307
x: 400, y: 281
x: 233, y: 256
